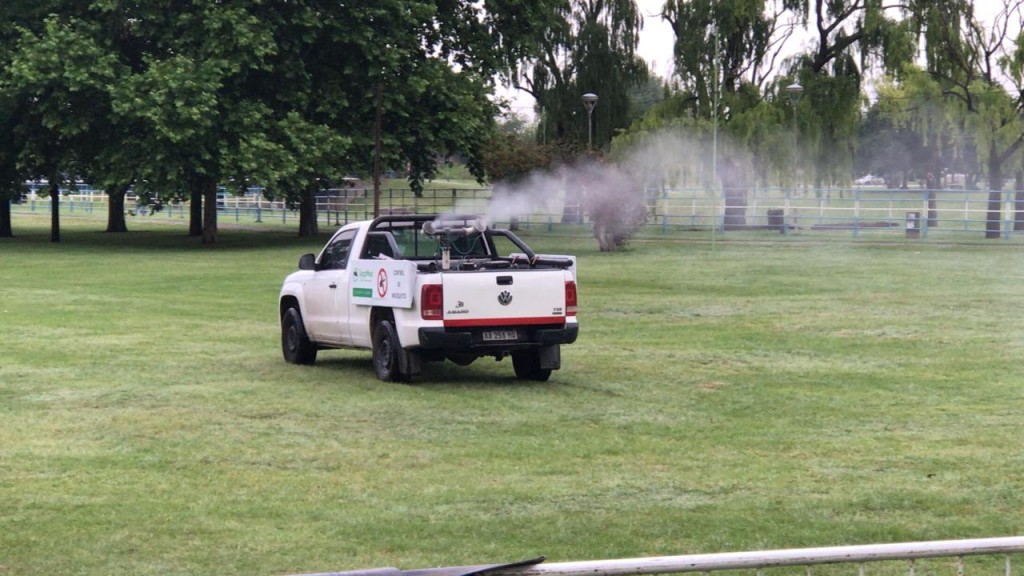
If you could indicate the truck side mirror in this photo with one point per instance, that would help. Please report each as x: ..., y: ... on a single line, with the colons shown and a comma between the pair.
x: 307, y: 262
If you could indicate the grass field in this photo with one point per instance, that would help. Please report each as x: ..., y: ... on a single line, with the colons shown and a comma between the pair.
x: 722, y: 396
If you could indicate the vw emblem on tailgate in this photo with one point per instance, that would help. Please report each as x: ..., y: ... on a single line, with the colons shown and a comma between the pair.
x: 505, y: 298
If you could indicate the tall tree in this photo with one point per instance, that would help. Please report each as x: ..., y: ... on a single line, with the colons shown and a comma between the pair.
x: 918, y: 121
x: 851, y: 39
x: 193, y: 92
x: 10, y: 176
x: 180, y: 99
x: 737, y: 41
x: 17, y: 17
x: 64, y: 74
x: 970, y: 59
x: 558, y: 50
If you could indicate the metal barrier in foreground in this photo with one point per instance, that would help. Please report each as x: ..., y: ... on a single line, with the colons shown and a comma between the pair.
x: 753, y: 560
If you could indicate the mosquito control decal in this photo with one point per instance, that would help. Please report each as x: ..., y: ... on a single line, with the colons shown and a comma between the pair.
x: 383, y: 283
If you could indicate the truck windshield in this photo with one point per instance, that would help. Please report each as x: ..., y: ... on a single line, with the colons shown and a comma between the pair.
x: 413, y: 243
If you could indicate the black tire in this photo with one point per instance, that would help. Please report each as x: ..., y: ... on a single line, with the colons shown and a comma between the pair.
x: 527, y: 366
x: 386, y: 349
x: 295, y: 344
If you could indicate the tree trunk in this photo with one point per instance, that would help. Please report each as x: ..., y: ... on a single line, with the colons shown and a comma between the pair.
x: 735, y: 186
x: 933, y: 210
x: 736, y: 209
x: 605, y: 242
x: 54, y: 208
x: 1018, y: 211
x: 1018, y: 202
x: 115, y: 209
x: 308, y: 225
x: 195, y: 211
x: 992, y: 224
x: 995, y: 196
x: 931, y: 184
x: 571, y: 210
x: 6, y: 231
x: 209, y: 210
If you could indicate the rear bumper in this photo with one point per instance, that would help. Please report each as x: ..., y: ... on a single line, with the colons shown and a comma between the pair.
x: 471, y: 339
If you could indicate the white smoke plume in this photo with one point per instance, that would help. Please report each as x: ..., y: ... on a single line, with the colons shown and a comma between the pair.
x: 616, y: 183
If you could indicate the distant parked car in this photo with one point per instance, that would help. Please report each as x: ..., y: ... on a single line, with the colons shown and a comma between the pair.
x: 870, y: 180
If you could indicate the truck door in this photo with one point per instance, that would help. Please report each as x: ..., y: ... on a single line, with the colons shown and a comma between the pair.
x: 327, y: 294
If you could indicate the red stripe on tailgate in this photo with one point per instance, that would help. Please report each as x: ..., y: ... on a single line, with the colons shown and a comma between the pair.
x: 478, y: 322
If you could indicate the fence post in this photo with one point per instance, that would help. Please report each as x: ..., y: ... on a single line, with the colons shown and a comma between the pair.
x: 720, y: 208
x: 785, y: 211
x: 1008, y: 209
x: 664, y: 207
x: 926, y: 219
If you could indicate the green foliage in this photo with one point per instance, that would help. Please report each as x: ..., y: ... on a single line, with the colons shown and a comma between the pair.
x: 726, y: 40
x: 971, y: 63
x: 569, y: 48
x: 279, y: 94
x: 508, y: 158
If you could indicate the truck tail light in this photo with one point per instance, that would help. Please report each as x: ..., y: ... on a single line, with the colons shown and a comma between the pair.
x: 432, y: 302
x: 570, y: 298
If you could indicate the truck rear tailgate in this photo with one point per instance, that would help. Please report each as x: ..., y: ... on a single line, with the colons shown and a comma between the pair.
x: 504, y: 298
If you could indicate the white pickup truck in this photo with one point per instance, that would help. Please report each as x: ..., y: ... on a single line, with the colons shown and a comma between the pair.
x: 428, y: 288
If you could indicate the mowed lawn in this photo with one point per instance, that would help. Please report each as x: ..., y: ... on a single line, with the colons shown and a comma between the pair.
x: 723, y: 396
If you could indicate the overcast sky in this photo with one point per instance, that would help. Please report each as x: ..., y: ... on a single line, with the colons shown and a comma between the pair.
x: 656, y: 38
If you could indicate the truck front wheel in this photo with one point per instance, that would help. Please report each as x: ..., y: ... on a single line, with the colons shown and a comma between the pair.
x: 295, y: 343
x: 527, y: 366
x: 386, y: 349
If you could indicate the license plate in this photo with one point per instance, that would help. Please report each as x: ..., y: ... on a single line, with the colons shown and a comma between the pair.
x: 494, y: 335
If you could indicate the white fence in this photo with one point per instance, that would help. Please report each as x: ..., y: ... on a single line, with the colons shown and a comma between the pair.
x: 872, y: 212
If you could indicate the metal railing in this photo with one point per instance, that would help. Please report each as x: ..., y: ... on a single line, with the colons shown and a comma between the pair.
x: 870, y: 212
x: 759, y: 560
x: 908, y: 552
x: 855, y: 211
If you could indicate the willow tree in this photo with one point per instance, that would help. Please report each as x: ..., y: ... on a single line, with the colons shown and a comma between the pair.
x: 724, y: 53
x: 557, y: 50
x: 735, y: 41
x: 970, y: 59
x: 911, y: 128
x: 852, y: 39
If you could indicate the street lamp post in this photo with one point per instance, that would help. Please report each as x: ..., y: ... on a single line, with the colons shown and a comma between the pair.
x: 589, y: 101
x: 793, y: 92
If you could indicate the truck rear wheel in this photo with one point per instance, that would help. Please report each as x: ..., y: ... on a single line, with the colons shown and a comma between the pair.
x: 295, y: 344
x: 386, y: 349
x: 527, y: 366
